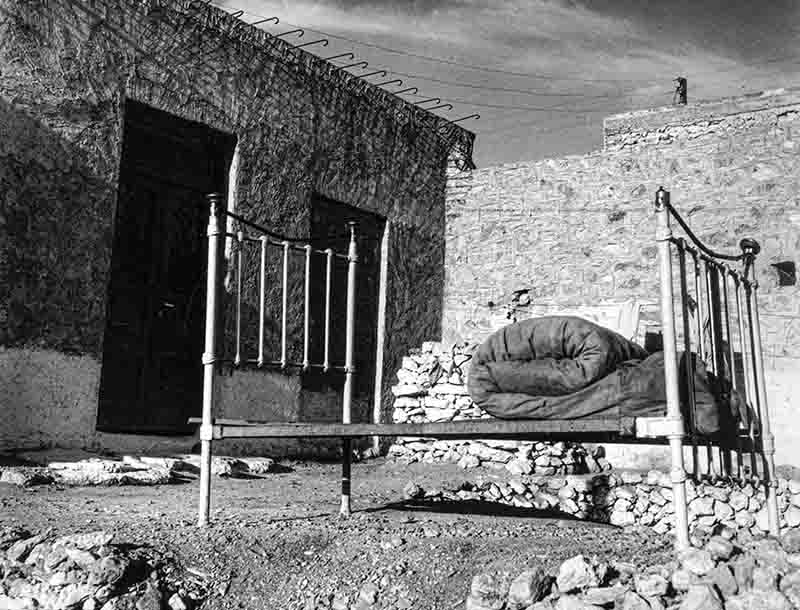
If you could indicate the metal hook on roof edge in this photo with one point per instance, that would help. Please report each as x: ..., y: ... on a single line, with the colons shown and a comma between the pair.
x: 324, y: 42
x: 448, y: 106
x: 260, y: 21
x: 412, y: 90
x: 435, y: 100
x: 463, y: 118
x: 300, y: 32
x: 390, y: 82
x: 332, y: 57
x: 381, y: 72
x: 362, y: 64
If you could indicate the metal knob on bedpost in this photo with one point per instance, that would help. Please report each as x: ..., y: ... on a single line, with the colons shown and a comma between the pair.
x: 674, y: 417
x: 209, y: 355
x: 349, y: 367
x: 750, y: 249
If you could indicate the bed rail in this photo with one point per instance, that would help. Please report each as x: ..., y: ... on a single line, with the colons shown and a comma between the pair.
x: 709, y: 313
x: 250, y: 234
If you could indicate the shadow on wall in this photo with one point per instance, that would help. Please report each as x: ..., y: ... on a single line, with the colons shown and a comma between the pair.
x: 55, y: 245
x: 56, y: 237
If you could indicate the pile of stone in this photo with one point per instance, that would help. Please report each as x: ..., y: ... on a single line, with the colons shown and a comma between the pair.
x: 432, y: 388
x: 725, y: 572
x: 635, y: 498
x: 90, y: 572
x: 130, y: 470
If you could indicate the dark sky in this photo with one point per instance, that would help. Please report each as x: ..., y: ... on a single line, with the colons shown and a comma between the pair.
x: 552, y: 69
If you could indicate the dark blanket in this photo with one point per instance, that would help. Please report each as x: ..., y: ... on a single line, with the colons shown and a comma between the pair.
x: 564, y: 367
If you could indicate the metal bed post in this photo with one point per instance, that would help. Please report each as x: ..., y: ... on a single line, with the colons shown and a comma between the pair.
x: 676, y: 427
x: 209, y: 356
x: 347, y: 394
x: 751, y: 248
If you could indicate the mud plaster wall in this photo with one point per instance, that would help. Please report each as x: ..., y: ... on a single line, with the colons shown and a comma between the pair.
x: 66, y: 70
x: 580, y: 230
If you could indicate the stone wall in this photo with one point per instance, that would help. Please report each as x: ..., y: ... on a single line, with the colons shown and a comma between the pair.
x: 634, y: 498
x: 303, y: 129
x: 580, y: 230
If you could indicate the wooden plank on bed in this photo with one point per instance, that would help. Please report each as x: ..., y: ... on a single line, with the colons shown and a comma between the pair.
x: 454, y: 429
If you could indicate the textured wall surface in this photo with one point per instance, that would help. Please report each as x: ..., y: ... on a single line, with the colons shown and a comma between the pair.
x: 66, y: 70
x: 580, y: 230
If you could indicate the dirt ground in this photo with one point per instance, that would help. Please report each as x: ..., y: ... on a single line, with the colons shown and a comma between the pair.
x: 277, y: 541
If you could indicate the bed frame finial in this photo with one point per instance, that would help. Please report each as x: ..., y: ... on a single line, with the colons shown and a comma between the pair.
x: 662, y: 198
x: 750, y: 247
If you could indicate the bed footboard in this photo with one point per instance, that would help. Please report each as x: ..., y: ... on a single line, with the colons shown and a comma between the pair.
x: 709, y: 310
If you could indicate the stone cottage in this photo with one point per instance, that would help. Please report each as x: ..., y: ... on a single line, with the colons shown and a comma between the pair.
x: 117, y: 118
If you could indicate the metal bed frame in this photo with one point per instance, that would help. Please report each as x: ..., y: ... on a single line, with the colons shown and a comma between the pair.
x: 717, y: 295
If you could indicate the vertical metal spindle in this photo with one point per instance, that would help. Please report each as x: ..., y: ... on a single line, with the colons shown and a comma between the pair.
x: 262, y: 300
x: 237, y: 360
x: 731, y: 369
x: 349, y: 367
x: 326, y: 365
x: 209, y: 357
x: 285, y: 307
x: 676, y: 431
x: 748, y: 386
x: 750, y: 249
x: 708, y: 271
x: 687, y: 355
x: 711, y: 270
x: 701, y: 353
x: 704, y: 319
x: 381, y: 333
x: 307, y: 310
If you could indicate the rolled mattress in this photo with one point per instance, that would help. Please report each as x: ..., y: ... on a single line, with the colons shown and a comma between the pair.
x: 565, y: 367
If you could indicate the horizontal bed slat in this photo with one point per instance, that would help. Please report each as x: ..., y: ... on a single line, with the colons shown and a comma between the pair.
x: 232, y: 428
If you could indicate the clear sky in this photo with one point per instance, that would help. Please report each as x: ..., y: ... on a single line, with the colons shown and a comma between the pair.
x: 543, y: 73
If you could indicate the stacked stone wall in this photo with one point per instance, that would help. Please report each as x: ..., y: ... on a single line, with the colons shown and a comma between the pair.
x: 627, y: 498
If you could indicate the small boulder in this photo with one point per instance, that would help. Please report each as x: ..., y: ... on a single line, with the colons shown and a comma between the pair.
x: 633, y: 601
x: 487, y: 592
x: 759, y: 600
x: 529, y: 587
x: 574, y: 574
x: 701, y: 597
x: 696, y: 561
x: 720, y: 548
x: 651, y: 585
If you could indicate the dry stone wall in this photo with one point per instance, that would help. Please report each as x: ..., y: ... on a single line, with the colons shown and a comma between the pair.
x: 580, y: 230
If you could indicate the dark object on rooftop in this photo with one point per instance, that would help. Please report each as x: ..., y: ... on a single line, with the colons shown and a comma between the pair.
x: 680, y: 95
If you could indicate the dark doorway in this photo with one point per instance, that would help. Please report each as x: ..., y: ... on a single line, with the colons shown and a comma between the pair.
x: 151, y: 379
x: 329, y: 229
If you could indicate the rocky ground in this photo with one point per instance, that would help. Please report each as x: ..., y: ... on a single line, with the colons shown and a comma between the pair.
x: 277, y: 541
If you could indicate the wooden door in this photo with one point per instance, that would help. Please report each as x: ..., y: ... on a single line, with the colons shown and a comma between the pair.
x: 151, y: 378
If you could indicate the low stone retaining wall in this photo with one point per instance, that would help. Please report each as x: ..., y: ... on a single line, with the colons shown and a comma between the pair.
x: 633, y: 498
x: 432, y: 388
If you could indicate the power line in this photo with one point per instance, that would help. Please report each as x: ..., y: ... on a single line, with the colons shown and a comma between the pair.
x: 451, y: 62
x: 502, y: 89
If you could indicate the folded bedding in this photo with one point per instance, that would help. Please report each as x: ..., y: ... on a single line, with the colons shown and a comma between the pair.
x: 565, y: 367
